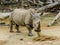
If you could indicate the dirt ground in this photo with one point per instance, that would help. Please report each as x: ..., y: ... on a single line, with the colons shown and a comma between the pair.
x: 49, y: 35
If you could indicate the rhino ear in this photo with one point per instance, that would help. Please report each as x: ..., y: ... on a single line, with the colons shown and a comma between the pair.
x: 41, y: 13
x: 32, y: 13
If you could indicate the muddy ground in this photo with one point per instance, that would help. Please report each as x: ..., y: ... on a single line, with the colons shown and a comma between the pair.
x: 49, y: 35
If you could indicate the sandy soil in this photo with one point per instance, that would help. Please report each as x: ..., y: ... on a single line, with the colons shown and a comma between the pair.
x: 49, y: 35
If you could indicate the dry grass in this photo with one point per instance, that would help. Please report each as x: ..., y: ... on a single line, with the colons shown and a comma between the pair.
x: 2, y: 42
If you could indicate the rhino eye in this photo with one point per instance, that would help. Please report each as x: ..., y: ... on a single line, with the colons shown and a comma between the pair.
x: 34, y: 25
x: 34, y: 18
x: 37, y: 17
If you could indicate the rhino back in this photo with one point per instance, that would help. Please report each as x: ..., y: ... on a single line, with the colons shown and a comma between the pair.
x: 21, y: 16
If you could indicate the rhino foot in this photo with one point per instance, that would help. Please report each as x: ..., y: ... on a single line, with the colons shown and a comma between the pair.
x: 30, y: 34
x: 11, y: 31
x: 18, y: 31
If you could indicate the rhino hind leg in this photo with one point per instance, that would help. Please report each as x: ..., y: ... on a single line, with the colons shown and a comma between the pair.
x: 29, y: 30
x: 17, y: 27
x: 11, y: 26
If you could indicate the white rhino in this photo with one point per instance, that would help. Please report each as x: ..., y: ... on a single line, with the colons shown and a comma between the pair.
x: 28, y: 18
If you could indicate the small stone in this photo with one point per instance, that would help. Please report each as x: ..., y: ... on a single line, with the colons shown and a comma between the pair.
x: 21, y: 39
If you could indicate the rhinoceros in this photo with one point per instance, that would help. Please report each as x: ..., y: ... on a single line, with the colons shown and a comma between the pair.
x: 29, y: 18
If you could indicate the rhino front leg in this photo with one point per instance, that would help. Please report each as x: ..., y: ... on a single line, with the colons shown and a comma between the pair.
x: 30, y: 30
x: 11, y: 26
x: 17, y: 27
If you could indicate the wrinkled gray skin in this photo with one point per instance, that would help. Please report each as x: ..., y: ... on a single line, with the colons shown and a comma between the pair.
x: 28, y: 18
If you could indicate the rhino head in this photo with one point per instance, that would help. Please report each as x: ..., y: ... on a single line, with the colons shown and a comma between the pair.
x: 36, y: 21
